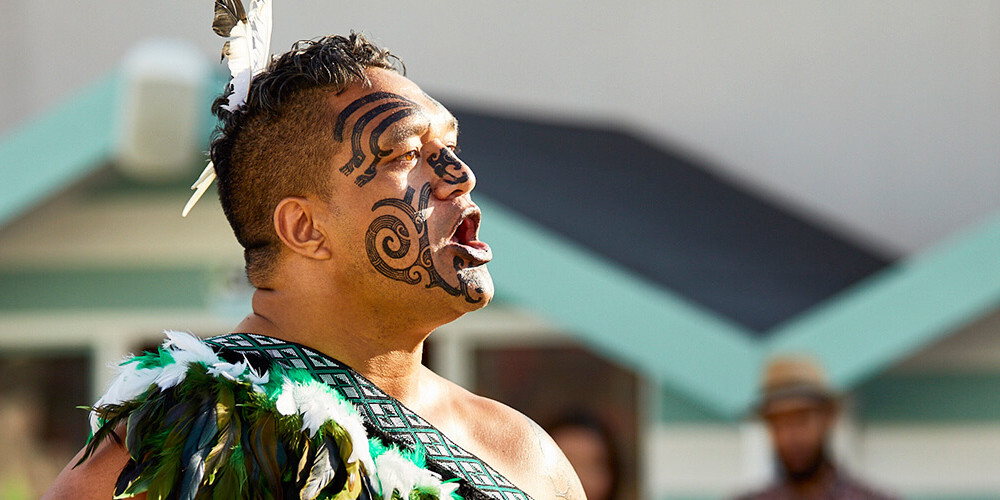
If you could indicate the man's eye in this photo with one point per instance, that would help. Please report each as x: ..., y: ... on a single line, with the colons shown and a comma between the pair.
x: 409, y: 156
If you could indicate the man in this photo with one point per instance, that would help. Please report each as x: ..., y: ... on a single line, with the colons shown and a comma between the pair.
x: 341, y: 180
x: 800, y: 411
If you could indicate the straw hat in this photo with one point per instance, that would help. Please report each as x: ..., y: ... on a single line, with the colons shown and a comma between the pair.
x: 792, y: 382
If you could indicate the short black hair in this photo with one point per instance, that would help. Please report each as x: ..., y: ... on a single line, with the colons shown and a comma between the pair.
x: 278, y: 143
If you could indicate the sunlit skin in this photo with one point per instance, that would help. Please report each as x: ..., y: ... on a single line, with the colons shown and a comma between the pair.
x: 327, y: 294
x: 799, y: 430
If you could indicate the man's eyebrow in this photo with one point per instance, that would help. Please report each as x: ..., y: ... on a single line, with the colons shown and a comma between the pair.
x: 408, y: 128
x: 417, y: 126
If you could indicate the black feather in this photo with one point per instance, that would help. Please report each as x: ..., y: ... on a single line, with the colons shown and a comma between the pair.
x: 203, y: 433
x: 132, y: 471
x: 227, y: 14
x: 112, y: 416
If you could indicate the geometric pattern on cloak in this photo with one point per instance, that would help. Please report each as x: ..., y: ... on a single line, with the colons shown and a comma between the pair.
x: 383, y: 415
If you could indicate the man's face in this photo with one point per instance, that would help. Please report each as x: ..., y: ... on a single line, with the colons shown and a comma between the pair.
x: 404, y: 224
x: 799, y: 430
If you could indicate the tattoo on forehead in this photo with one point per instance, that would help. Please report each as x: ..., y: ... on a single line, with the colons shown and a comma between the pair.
x: 399, y: 248
x: 377, y: 152
x: 358, y: 154
x: 445, y: 159
x: 358, y: 103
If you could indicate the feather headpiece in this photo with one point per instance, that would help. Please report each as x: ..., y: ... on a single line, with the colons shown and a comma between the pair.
x: 248, y: 52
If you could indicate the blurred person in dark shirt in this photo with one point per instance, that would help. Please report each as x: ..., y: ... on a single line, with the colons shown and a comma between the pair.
x: 800, y: 411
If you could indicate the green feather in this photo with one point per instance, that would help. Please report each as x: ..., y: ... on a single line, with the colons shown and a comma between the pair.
x: 111, y: 417
x: 342, y: 438
x: 262, y: 444
x: 307, y: 455
x: 228, y: 423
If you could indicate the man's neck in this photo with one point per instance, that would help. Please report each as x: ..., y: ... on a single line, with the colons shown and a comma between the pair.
x: 384, y: 351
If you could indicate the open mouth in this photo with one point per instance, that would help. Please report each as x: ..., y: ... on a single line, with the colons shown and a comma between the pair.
x: 465, y: 239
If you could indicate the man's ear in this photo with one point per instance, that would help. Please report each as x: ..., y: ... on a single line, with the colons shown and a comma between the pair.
x: 296, y: 224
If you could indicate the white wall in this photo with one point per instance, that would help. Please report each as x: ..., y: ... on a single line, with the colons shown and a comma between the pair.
x: 941, y: 460
x: 877, y: 117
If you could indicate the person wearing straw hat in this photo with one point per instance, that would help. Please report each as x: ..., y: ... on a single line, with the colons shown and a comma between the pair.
x: 800, y: 410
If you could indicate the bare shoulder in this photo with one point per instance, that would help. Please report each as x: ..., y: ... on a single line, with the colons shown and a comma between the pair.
x: 511, y: 443
x: 94, y: 478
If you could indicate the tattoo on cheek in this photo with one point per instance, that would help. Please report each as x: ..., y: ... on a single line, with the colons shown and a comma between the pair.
x: 404, y: 107
x: 447, y: 166
x: 399, y: 248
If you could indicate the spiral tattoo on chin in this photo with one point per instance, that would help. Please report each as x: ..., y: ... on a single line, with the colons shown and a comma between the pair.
x: 399, y: 248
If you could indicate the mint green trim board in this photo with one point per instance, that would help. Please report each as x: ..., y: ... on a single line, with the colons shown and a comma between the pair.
x: 58, y: 148
x: 104, y: 289
x: 946, y: 398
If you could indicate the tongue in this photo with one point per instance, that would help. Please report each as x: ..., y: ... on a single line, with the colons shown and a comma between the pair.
x: 477, y: 252
x: 469, y: 247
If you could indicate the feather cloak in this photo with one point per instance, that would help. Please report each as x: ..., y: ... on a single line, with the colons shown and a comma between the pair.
x: 200, y: 424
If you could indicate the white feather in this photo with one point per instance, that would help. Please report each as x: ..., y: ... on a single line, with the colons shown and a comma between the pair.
x: 185, y: 349
x: 318, y: 404
x: 260, y: 34
x: 200, y: 186
x: 240, y: 65
x: 249, y: 51
x: 187, y: 342
x: 128, y: 384
x: 396, y: 473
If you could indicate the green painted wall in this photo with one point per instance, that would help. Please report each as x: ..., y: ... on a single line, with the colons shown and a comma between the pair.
x: 930, y: 398
x: 104, y: 288
x: 676, y: 408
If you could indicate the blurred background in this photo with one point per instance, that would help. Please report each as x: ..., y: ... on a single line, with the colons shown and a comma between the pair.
x: 674, y: 191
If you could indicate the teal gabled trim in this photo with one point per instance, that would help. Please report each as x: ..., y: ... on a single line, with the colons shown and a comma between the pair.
x: 901, y: 309
x: 663, y: 335
x: 58, y: 148
x: 857, y: 333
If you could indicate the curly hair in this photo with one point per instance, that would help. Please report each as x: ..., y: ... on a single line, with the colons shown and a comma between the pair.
x: 280, y: 142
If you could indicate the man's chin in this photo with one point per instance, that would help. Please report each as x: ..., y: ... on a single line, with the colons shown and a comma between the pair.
x: 476, y: 287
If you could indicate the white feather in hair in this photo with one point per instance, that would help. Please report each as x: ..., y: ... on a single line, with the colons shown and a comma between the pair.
x: 248, y: 52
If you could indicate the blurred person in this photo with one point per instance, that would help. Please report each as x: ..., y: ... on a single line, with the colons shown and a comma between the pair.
x: 26, y: 465
x: 590, y: 446
x: 800, y: 411
x: 341, y: 180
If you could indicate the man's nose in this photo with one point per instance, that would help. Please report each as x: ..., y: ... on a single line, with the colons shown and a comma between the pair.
x: 452, y: 177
